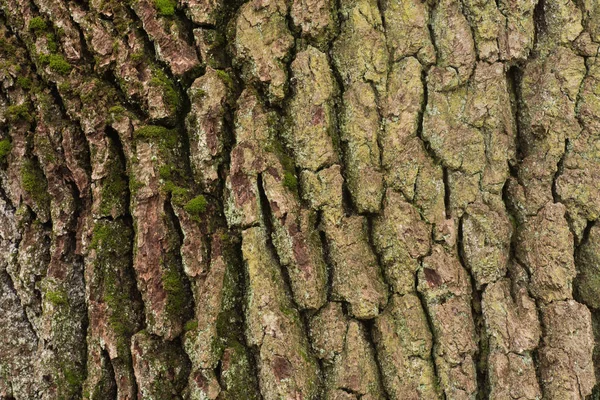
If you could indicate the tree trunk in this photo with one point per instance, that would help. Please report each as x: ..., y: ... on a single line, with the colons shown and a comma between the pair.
x: 299, y: 199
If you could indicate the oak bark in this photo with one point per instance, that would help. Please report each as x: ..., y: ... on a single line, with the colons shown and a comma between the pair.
x: 299, y: 199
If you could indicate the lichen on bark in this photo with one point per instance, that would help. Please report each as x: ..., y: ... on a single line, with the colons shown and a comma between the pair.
x: 299, y: 199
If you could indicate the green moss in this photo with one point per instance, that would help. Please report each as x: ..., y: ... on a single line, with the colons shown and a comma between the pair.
x: 198, y: 94
x: 37, y: 24
x: 110, y: 238
x: 191, y: 325
x: 116, y: 110
x: 171, y: 97
x: 137, y: 56
x: 239, y: 378
x: 65, y: 87
x: 34, y: 183
x: 134, y: 185
x: 100, y: 235
x: 276, y: 147
x: 58, y: 64
x: 73, y: 378
x: 45, y: 149
x: 290, y: 181
x: 165, y: 172
x: 95, y: 92
x: 57, y: 298
x: 225, y: 77
x: 24, y: 82
x: 165, y: 8
x: 19, y: 112
x: 113, y: 192
x: 5, y: 147
x: 51, y: 43
x: 167, y: 141
x: 174, y: 286
x: 44, y: 58
x: 154, y: 132
x: 112, y: 242
x: 179, y: 191
x: 196, y: 206
x: 116, y: 113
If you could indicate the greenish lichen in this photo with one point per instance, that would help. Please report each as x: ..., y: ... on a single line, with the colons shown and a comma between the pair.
x: 190, y: 325
x: 5, y: 147
x: 239, y: 379
x: 165, y: 8
x: 58, y: 298
x: 196, y: 206
x: 73, y: 378
x: 37, y: 24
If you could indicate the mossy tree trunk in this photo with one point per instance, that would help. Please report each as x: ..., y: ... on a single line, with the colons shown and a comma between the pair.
x: 299, y: 199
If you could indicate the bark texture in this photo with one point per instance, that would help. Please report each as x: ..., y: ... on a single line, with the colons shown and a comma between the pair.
x: 299, y: 199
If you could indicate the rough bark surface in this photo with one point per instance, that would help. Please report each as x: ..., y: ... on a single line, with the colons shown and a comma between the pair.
x: 299, y: 199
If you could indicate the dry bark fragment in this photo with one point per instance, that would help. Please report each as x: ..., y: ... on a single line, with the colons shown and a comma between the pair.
x: 513, y: 333
x: 566, y: 368
x: 311, y: 114
x: 156, y: 256
x: 350, y: 367
x: 548, y: 91
x: 486, y: 242
x: 360, y: 126
x: 317, y: 19
x: 210, y: 97
x: 114, y: 310
x: 519, y: 34
x: 262, y: 44
x: 160, y: 366
x: 297, y: 243
x: 545, y: 247
x: 401, y: 238
x: 446, y: 288
x: 169, y: 38
x: 577, y: 186
x: 253, y: 128
x: 407, y: 30
x: 356, y: 278
x: 453, y: 41
x: 588, y: 269
x: 286, y: 366
x: 403, y: 342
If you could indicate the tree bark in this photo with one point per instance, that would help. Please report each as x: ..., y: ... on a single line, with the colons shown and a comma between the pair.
x: 299, y: 199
